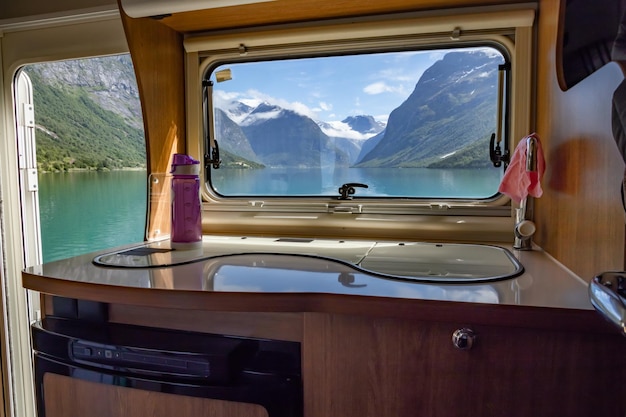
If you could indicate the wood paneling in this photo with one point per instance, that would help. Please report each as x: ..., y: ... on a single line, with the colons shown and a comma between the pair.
x: 71, y: 397
x: 579, y: 217
x: 158, y: 59
x: 279, y: 326
x: 356, y: 366
x: 289, y: 11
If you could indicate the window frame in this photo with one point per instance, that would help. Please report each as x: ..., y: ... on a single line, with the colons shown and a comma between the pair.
x: 407, y: 202
x: 45, y: 38
x: 509, y: 26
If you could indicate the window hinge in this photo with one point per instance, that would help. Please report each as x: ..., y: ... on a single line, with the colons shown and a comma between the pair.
x: 32, y: 182
x: 440, y: 206
x: 343, y: 209
x: 29, y: 115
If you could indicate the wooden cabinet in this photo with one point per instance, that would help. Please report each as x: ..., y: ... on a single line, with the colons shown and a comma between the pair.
x: 370, y: 356
x: 359, y: 366
x: 394, y: 361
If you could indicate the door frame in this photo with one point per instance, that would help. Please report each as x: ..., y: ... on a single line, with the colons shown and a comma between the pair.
x: 79, y: 34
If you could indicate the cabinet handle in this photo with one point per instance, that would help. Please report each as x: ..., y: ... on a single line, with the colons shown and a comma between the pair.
x: 463, y: 338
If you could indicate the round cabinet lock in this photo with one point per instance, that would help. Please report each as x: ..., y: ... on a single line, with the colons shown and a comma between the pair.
x: 463, y: 338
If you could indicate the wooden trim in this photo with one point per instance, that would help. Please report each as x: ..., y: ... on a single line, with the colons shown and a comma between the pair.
x: 279, y: 326
x: 473, y: 23
x: 286, y: 11
x: 158, y: 59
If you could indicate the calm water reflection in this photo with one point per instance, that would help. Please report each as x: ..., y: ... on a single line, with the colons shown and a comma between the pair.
x: 86, y: 211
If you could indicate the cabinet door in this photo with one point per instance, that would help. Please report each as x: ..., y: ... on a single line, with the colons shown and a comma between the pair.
x: 356, y: 366
x: 71, y: 397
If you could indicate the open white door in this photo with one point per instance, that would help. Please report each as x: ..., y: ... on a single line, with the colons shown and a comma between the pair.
x: 28, y: 169
x: 29, y: 186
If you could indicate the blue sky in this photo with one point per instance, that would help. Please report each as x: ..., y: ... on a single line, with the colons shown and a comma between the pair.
x: 332, y: 88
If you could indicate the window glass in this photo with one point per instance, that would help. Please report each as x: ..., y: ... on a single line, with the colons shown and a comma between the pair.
x: 406, y: 124
x: 90, y: 155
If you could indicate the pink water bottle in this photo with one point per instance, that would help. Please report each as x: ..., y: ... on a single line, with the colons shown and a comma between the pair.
x: 186, y: 208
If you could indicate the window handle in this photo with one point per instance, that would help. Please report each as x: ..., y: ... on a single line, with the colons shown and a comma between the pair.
x: 347, y: 190
x: 496, y: 154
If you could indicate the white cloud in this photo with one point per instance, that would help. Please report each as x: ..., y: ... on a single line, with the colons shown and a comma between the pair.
x: 225, y: 96
x: 252, y: 102
x: 325, y: 106
x: 254, y: 97
x: 436, y: 55
x: 382, y: 118
x: 376, y: 88
x: 299, y: 108
x: 381, y: 87
x: 343, y: 130
x: 257, y: 117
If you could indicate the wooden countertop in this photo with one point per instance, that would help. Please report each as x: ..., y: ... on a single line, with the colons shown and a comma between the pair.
x: 545, y: 295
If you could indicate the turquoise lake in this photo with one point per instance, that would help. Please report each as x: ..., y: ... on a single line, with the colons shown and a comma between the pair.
x: 83, y: 212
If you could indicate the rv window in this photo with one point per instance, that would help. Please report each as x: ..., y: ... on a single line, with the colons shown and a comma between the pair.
x: 402, y: 124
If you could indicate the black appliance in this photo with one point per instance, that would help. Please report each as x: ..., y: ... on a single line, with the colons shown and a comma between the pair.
x: 257, y: 371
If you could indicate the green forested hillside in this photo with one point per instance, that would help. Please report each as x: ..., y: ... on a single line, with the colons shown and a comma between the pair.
x: 75, y: 132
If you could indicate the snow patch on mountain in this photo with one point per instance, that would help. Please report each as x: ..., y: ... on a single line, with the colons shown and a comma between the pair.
x: 250, y: 112
x: 342, y: 130
x: 263, y: 112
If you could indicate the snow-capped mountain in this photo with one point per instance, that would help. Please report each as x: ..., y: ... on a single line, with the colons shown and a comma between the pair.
x: 445, y: 122
x: 255, y: 124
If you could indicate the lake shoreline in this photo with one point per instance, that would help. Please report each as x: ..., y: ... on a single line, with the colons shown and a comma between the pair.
x: 73, y: 170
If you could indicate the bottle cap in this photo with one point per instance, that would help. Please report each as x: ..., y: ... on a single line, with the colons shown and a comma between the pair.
x: 185, y: 165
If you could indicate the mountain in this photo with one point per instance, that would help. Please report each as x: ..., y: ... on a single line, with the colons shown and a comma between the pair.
x: 452, y: 107
x: 444, y: 123
x: 282, y: 137
x: 351, y: 147
x: 235, y: 149
x: 364, y: 124
x: 239, y: 111
x: 368, y: 145
x: 87, y: 114
x: 343, y: 138
x: 108, y: 81
x: 352, y: 133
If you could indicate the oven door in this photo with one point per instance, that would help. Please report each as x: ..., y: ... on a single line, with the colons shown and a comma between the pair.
x: 111, y: 374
